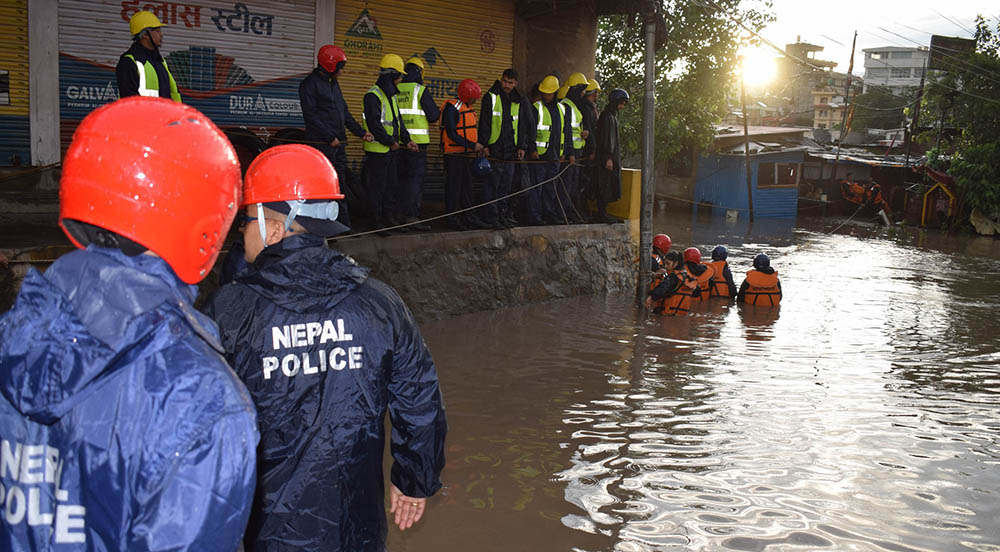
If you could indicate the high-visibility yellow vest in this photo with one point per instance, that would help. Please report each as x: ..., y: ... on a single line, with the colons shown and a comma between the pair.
x: 390, y: 110
x: 575, y: 122
x: 149, y: 83
x: 544, y: 129
x: 411, y: 113
x: 498, y: 114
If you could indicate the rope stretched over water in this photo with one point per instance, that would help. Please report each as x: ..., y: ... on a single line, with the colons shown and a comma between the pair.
x: 452, y: 213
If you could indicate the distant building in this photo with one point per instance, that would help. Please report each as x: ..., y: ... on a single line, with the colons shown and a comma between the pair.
x: 894, y: 67
x: 828, y: 99
x: 799, y: 73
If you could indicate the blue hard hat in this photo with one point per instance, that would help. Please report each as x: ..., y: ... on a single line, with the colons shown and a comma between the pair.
x: 481, y: 167
x: 761, y: 261
x: 720, y: 253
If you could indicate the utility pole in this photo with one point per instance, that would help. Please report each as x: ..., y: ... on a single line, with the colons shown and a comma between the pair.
x: 648, y: 179
x: 746, y: 142
x: 847, y: 104
x: 914, y: 122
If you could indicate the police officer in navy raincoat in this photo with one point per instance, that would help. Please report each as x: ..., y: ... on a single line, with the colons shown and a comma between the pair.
x: 326, y: 352
x: 121, y: 426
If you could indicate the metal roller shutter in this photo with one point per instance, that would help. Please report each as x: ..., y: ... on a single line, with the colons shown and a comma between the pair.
x: 456, y: 41
x: 238, y: 62
x: 15, y: 140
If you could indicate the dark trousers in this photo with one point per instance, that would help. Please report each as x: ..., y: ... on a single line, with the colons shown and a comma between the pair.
x: 381, y: 170
x: 497, y: 185
x: 457, y: 183
x: 410, y: 183
x: 338, y: 158
x: 549, y: 205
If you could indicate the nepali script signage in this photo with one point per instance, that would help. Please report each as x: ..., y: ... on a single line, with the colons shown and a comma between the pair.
x: 239, y: 62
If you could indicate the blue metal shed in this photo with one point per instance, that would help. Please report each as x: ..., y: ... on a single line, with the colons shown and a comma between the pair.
x: 776, y: 163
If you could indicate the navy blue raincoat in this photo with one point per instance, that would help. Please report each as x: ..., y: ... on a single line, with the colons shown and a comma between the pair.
x: 121, y: 426
x: 326, y: 351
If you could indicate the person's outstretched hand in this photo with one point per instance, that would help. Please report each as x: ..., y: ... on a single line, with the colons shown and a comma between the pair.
x: 407, y: 509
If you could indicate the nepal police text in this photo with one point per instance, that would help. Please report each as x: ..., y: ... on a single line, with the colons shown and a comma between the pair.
x: 314, y: 362
x: 30, y: 477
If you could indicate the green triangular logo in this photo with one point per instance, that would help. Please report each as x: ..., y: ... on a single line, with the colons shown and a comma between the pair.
x: 364, y: 26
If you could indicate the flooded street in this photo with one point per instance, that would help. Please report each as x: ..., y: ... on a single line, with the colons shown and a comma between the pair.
x: 864, y: 414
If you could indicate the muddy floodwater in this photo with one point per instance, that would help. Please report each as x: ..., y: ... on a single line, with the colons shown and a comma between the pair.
x: 864, y: 414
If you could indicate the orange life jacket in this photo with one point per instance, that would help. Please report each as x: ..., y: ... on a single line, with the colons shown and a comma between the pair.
x: 719, y: 286
x: 467, y: 127
x: 704, y: 282
x: 762, y: 289
x: 680, y: 301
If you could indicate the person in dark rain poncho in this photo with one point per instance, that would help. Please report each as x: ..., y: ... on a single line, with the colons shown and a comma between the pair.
x: 326, y: 352
x: 121, y: 426
x: 608, y: 161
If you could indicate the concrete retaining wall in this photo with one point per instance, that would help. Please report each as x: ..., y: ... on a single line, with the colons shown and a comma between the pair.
x: 449, y: 273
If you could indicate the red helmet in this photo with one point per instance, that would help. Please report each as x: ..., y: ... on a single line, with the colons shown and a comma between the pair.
x: 468, y: 90
x: 330, y: 57
x: 289, y: 172
x: 662, y: 242
x: 156, y: 172
x: 692, y: 255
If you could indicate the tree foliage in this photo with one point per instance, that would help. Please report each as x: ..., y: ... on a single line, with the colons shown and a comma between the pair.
x: 694, y: 68
x: 966, y: 97
x: 879, y: 108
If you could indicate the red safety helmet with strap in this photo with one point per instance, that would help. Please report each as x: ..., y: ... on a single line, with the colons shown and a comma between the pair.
x: 289, y: 172
x: 157, y: 172
x: 294, y: 179
x: 662, y: 242
x: 469, y: 91
x: 692, y: 255
x: 331, y: 57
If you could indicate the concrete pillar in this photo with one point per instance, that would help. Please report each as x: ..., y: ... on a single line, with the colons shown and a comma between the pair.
x: 326, y: 11
x: 43, y: 80
x: 559, y: 40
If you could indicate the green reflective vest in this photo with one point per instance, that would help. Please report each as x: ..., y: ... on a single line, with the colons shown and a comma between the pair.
x: 498, y: 114
x: 544, y: 130
x: 149, y: 84
x: 390, y: 110
x: 575, y: 122
x: 411, y: 113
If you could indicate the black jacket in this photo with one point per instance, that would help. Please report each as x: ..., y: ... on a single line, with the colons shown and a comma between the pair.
x: 505, y: 148
x: 324, y: 109
x: 326, y: 352
x: 373, y: 114
x: 128, y: 74
x: 589, y: 112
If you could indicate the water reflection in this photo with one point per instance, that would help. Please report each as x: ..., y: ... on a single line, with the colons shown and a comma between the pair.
x: 860, y: 415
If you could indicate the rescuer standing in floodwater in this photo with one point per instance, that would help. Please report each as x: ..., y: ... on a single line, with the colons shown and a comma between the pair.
x: 325, y: 352
x: 122, y: 427
x: 141, y: 70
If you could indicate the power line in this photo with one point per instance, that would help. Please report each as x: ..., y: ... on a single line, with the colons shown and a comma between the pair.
x: 954, y: 21
x: 960, y: 60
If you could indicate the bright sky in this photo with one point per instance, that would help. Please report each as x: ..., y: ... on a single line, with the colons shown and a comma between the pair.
x: 832, y: 25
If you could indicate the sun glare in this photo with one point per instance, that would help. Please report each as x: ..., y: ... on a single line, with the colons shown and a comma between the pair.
x: 758, y: 66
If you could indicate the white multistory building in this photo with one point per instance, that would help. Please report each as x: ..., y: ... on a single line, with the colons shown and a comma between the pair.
x: 895, y: 68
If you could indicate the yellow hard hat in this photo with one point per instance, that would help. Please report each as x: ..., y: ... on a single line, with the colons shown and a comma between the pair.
x: 143, y: 20
x: 549, y: 85
x: 592, y: 86
x: 416, y: 61
x: 392, y: 61
x: 562, y: 91
x: 575, y: 79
